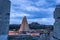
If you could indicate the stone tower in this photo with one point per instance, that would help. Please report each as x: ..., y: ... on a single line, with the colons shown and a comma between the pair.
x: 24, y: 26
x: 57, y: 23
x: 4, y: 18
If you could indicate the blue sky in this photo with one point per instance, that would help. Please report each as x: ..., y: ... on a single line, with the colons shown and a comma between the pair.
x: 40, y: 11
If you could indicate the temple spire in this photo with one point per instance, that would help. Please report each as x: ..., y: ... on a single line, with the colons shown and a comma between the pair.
x: 24, y: 26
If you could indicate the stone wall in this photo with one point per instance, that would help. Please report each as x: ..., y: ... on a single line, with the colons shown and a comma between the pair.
x: 57, y: 22
x: 4, y: 18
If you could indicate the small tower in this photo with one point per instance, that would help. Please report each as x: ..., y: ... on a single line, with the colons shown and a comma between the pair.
x: 24, y: 26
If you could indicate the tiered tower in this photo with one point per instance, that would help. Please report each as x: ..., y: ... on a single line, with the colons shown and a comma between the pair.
x: 24, y: 26
x: 4, y: 18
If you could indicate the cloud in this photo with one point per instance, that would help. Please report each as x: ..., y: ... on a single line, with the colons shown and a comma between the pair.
x: 57, y: 1
x: 31, y: 8
x: 41, y: 3
x: 21, y: 14
x: 15, y: 21
x: 34, y: 10
x: 26, y: 5
x: 46, y: 21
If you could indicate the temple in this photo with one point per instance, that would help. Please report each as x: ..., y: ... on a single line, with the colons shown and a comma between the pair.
x: 24, y: 29
x: 24, y: 26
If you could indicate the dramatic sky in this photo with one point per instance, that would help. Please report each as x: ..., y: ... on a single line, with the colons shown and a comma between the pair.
x: 40, y: 11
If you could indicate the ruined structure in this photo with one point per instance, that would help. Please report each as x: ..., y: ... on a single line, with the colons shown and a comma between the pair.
x: 4, y: 18
x: 56, y: 35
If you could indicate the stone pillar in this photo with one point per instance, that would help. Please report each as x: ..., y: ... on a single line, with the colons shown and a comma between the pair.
x: 4, y: 19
